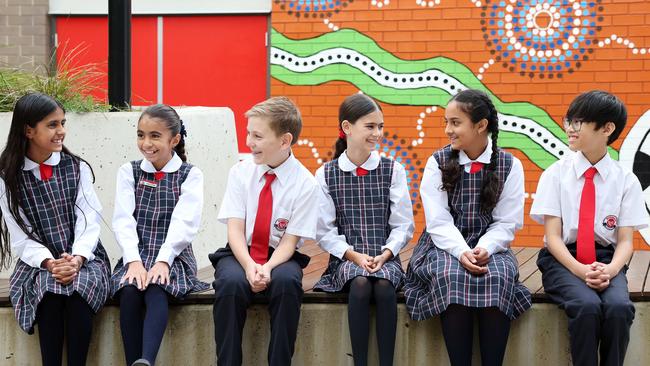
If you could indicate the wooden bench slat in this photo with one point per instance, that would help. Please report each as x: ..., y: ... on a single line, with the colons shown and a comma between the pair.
x: 637, y: 272
x: 529, y: 264
x: 310, y: 248
x: 646, y: 286
x: 638, y: 275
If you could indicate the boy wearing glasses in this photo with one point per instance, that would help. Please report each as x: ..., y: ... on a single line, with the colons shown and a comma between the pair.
x: 590, y: 206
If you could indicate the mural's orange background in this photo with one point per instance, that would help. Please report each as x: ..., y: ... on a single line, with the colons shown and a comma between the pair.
x: 453, y: 29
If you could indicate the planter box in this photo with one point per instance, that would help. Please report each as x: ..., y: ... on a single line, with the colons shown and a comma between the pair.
x: 108, y: 140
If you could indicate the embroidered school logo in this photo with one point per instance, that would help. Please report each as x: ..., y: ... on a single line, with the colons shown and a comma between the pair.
x: 610, y: 222
x: 281, y: 224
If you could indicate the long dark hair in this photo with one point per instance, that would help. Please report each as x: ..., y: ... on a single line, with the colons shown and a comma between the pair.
x: 172, y: 121
x: 353, y: 107
x: 29, y: 110
x: 478, y: 106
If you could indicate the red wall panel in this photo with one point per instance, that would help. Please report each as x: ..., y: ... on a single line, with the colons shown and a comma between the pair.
x: 85, y: 39
x: 216, y: 61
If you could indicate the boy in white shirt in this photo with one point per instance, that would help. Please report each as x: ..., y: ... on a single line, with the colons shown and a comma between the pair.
x: 269, y: 207
x: 590, y: 206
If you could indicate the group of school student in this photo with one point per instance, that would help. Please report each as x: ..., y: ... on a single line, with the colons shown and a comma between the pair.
x: 358, y: 209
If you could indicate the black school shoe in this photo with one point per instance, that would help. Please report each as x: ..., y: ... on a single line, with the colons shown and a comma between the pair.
x: 141, y: 362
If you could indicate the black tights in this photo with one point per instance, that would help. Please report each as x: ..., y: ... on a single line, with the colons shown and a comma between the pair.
x: 57, y: 313
x: 143, y: 319
x: 458, y: 326
x: 361, y: 289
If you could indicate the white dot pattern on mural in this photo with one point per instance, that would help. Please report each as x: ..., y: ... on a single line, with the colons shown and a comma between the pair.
x: 615, y: 39
x: 429, y: 78
x: 314, y: 151
x: 420, y: 139
x: 330, y: 25
x: 380, y: 3
x: 484, y: 68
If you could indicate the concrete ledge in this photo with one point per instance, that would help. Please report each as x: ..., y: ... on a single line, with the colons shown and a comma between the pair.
x: 539, y: 337
x: 108, y: 140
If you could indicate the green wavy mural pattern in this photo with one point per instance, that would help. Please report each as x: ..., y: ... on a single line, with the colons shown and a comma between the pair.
x: 424, y: 96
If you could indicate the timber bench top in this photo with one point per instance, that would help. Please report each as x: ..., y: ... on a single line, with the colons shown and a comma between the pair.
x: 638, y: 276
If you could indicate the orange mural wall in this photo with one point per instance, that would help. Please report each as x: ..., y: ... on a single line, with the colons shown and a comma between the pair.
x: 492, y: 45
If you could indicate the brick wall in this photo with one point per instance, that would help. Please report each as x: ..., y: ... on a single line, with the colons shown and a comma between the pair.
x: 402, y: 35
x: 24, y: 33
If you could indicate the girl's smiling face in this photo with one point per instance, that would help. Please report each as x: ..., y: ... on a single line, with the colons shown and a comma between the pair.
x: 366, y: 132
x: 155, y: 141
x: 46, y: 137
x: 462, y: 132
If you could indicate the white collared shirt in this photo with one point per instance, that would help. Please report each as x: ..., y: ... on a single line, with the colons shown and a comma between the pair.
x: 294, y: 199
x: 507, y: 215
x: 87, y: 210
x: 185, y: 220
x: 619, y: 198
x: 401, y: 211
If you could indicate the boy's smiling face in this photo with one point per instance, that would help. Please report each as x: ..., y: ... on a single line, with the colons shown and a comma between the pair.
x: 588, y: 138
x: 266, y: 146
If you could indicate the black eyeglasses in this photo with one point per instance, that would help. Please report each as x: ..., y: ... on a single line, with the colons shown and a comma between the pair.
x: 575, y: 124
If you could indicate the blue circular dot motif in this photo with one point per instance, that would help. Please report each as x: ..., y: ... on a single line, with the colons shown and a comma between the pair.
x: 541, y: 37
x: 312, y: 8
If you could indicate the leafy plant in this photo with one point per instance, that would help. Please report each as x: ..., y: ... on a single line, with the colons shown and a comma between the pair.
x: 68, y: 82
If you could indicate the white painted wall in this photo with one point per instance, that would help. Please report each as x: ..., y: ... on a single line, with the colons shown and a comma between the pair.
x: 157, y: 7
x: 108, y: 140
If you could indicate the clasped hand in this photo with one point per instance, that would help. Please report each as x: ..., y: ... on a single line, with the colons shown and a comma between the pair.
x: 369, y: 263
x: 258, y: 276
x: 475, y: 261
x: 65, y: 269
x: 597, y: 275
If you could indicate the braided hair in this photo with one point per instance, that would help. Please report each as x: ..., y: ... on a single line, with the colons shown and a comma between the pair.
x: 478, y: 106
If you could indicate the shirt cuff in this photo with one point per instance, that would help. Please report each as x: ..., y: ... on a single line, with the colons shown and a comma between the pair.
x: 131, y: 255
x: 491, y: 249
x: 84, y: 252
x: 393, y: 246
x: 459, y: 250
x: 339, y: 252
x: 166, y: 255
x: 38, y: 256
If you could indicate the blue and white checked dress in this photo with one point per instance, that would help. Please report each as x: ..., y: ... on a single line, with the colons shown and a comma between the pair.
x: 153, y: 213
x: 50, y: 208
x: 362, y: 210
x: 436, y: 279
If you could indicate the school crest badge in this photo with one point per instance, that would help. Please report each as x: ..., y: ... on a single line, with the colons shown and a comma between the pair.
x: 281, y: 224
x: 610, y: 222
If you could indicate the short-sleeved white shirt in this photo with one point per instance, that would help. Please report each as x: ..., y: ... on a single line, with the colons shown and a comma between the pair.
x: 619, y: 198
x: 295, y: 199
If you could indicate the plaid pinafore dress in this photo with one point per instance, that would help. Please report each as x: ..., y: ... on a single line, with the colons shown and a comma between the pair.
x: 435, y: 279
x: 153, y: 213
x: 362, y: 210
x: 50, y: 209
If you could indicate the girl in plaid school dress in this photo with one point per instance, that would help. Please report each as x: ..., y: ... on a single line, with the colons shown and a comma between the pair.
x: 365, y: 220
x: 473, y: 197
x: 51, y: 216
x: 158, y: 204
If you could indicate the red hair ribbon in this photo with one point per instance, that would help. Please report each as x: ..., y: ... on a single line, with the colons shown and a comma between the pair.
x: 342, y: 134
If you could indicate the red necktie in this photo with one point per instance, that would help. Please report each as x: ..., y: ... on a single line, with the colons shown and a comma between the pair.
x: 361, y: 172
x: 46, y: 171
x: 158, y: 175
x: 475, y: 167
x: 261, y: 230
x: 586, y: 247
